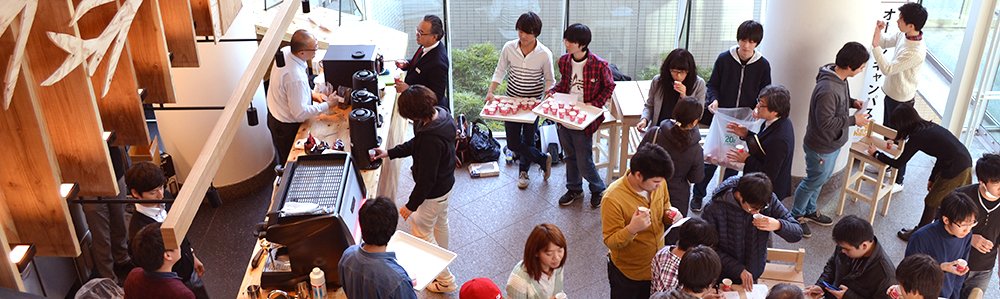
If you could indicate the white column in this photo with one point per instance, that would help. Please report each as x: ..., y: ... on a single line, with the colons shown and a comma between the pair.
x: 970, y: 56
x: 800, y: 36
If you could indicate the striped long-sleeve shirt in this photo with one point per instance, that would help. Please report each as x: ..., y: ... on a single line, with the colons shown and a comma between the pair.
x: 529, y: 75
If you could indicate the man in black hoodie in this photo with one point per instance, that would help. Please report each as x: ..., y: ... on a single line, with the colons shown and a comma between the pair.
x: 433, y: 151
x: 859, y: 266
x: 827, y: 131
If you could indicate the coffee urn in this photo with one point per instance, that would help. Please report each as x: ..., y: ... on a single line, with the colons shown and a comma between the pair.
x: 364, y: 99
x: 364, y: 136
x: 366, y: 80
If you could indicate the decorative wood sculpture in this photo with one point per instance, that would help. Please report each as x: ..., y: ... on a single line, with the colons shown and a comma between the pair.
x: 179, y: 30
x: 9, y: 276
x: 9, y: 9
x: 149, y: 53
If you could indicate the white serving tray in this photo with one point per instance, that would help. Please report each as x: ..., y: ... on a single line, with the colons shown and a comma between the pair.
x: 422, y: 260
x: 522, y: 116
x: 591, y: 111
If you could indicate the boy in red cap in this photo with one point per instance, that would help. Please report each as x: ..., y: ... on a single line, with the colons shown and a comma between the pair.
x: 479, y: 288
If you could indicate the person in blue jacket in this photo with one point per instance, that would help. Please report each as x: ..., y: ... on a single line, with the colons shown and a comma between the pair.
x: 771, y: 150
x: 948, y: 240
x: 743, y: 233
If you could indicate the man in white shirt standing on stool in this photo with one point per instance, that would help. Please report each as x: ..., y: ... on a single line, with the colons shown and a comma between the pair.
x: 903, y: 71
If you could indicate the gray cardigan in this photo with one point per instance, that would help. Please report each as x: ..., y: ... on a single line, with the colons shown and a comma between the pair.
x: 654, y: 101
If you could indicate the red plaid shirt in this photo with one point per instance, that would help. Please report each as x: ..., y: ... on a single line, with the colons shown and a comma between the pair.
x: 598, y: 84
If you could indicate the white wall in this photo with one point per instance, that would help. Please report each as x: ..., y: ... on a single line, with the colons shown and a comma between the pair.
x: 184, y: 132
x: 803, y: 35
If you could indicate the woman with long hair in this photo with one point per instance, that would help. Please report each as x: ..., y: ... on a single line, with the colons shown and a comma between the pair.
x: 540, y: 274
x: 952, y: 168
x: 679, y: 136
x: 678, y: 79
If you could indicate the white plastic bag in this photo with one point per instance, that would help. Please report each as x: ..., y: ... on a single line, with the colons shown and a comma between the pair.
x: 719, y: 141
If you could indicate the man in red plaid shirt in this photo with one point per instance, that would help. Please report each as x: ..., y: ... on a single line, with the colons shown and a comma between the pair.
x: 588, y: 77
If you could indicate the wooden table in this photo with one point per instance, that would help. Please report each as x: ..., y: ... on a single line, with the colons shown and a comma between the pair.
x: 629, y: 99
x: 380, y: 181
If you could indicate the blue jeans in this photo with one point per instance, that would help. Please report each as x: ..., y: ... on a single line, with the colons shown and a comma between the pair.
x: 521, y: 140
x: 578, y: 147
x: 976, y: 279
x: 819, y: 167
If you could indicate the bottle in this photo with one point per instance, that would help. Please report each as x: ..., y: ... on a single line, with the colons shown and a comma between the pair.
x: 317, y: 283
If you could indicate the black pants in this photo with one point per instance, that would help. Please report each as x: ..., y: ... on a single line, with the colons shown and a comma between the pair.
x: 624, y: 288
x: 699, y: 187
x: 521, y: 140
x: 890, y: 105
x: 282, y: 136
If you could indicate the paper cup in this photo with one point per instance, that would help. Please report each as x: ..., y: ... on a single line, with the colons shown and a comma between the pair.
x: 561, y: 296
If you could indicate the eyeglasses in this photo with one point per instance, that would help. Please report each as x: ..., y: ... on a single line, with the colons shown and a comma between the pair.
x: 678, y: 72
x: 311, y: 50
x: 759, y: 105
x: 753, y: 210
x: 969, y: 225
x: 419, y: 34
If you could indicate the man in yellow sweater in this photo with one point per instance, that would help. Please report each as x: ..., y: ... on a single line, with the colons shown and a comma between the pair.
x: 635, y: 212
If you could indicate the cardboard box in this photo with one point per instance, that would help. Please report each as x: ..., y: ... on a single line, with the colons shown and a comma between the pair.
x: 482, y: 170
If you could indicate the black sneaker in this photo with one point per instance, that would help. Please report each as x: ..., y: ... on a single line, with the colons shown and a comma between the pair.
x: 696, y: 204
x: 818, y: 219
x: 595, y: 199
x: 570, y: 197
x: 806, y: 233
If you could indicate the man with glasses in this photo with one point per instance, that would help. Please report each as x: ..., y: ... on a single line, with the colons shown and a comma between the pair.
x: 744, y: 211
x: 769, y: 151
x: 948, y: 240
x: 986, y: 195
x: 429, y: 66
x: 290, y: 101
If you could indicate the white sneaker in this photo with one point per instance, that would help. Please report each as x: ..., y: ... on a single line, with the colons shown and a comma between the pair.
x: 522, y: 180
x: 896, y: 188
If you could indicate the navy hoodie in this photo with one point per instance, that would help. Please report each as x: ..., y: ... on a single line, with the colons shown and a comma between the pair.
x: 433, y: 151
x: 741, y: 245
x: 735, y: 83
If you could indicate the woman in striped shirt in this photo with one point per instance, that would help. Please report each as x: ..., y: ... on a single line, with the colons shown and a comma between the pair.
x: 529, y: 66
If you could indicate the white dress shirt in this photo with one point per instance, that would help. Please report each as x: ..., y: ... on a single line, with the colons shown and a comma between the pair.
x: 289, y: 98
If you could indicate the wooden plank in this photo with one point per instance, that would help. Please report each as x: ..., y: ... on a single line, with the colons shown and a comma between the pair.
x: 185, y: 207
x: 178, y: 28
x: 75, y: 127
x: 9, y: 276
x: 228, y: 9
x: 201, y: 14
x: 149, y: 53
x: 30, y: 176
x: 121, y: 109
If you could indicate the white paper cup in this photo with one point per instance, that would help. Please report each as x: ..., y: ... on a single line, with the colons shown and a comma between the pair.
x: 561, y: 296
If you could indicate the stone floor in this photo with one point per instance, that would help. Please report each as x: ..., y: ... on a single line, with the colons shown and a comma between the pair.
x: 490, y: 219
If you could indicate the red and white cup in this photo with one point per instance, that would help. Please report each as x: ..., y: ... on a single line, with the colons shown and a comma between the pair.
x: 672, y: 212
x: 571, y: 115
x: 561, y: 113
x: 962, y: 265
x: 740, y: 148
x: 727, y: 285
x: 581, y: 118
x: 894, y: 292
x: 562, y: 105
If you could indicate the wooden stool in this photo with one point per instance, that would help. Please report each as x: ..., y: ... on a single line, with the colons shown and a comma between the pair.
x: 606, y: 156
x: 859, y: 152
x: 782, y: 273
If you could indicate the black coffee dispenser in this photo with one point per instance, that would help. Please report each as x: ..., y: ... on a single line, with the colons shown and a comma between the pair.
x: 364, y: 137
x: 366, y: 80
x: 364, y: 99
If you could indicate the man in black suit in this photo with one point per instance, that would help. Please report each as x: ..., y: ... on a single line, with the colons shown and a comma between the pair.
x: 429, y: 66
x: 769, y: 151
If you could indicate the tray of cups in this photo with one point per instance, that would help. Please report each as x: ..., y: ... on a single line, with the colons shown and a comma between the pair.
x: 566, y: 110
x: 510, y: 109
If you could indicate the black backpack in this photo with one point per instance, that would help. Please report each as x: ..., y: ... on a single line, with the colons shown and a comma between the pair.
x: 482, y: 146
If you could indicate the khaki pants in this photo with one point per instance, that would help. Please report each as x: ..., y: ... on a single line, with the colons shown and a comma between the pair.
x: 430, y: 222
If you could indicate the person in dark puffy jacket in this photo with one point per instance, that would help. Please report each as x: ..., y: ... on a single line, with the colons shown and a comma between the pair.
x: 743, y: 234
x: 680, y: 137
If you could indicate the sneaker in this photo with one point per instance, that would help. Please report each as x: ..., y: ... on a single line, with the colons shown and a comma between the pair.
x: 696, y: 204
x: 896, y: 188
x: 570, y: 197
x: 904, y: 234
x: 439, y: 286
x: 522, y: 180
x: 806, y: 233
x: 595, y: 199
x: 547, y: 167
x: 871, y: 169
x: 821, y: 220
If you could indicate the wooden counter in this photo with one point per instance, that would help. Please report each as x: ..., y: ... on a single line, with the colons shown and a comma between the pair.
x: 380, y: 181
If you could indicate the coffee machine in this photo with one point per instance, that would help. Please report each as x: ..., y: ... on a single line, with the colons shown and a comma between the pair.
x: 364, y: 136
x: 342, y: 61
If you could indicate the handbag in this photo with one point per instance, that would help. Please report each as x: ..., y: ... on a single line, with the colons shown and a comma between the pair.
x: 482, y: 146
x: 461, y: 140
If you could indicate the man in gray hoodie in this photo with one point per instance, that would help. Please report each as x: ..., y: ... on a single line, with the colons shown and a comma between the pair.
x: 827, y: 131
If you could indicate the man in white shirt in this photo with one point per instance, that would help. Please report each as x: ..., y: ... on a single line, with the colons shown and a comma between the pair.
x: 289, y: 98
x: 903, y: 71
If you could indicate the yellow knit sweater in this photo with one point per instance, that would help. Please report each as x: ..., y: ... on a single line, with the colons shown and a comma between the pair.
x: 633, y: 254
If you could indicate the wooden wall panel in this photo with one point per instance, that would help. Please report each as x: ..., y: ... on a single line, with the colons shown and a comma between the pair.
x: 30, y: 175
x: 121, y: 109
x: 9, y: 276
x: 179, y: 30
x: 149, y: 53
x: 228, y: 9
x: 201, y: 13
x: 74, y: 123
